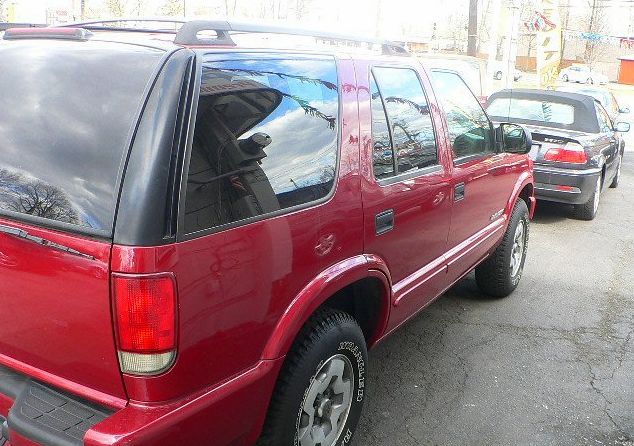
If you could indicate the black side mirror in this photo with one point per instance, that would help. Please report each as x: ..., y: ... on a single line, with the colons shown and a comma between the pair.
x: 515, y: 138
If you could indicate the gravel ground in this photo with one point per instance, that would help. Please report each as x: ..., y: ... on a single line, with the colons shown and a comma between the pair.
x: 553, y: 364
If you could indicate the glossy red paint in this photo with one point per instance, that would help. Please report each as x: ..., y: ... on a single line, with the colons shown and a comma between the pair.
x: 244, y: 293
x: 60, y: 327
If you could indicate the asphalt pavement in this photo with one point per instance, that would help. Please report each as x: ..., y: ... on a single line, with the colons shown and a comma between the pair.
x: 553, y: 364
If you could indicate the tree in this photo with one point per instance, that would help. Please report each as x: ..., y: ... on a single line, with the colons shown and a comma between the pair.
x: 595, y: 26
x: 116, y: 8
x: 173, y: 8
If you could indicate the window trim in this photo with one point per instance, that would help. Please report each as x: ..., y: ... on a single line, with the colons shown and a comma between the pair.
x: 181, y: 234
x: 410, y: 174
x: 459, y: 160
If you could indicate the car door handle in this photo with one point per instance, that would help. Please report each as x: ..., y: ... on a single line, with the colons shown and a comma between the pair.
x: 384, y: 222
x: 459, y: 191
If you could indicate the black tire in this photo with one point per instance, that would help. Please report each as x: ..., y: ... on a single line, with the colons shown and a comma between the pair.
x: 495, y: 276
x: 565, y: 78
x: 588, y: 210
x: 498, y: 75
x: 328, y: 334
x: 617, y: 176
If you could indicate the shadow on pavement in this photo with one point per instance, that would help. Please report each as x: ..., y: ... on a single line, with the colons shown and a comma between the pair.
x: 548, y: 212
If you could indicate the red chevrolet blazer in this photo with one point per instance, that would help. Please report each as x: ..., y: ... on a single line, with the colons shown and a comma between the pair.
x: 200, y: 239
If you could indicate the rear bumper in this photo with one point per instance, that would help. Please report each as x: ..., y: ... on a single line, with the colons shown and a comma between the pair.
x: 565, y: 185
x: 230, y: 414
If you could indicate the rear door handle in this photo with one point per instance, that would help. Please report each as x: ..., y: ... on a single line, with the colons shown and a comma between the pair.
x: 384, y: 222
x: 459, y: 191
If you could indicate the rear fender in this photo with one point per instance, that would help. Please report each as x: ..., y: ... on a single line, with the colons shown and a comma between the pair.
x: 318, y: 291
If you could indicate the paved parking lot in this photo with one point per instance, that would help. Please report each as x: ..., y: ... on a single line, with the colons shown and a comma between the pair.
x: 553, y: 364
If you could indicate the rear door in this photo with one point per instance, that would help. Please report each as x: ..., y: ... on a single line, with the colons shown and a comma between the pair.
x: 483, y: 179
x: 67, y: 110
x: 407, y: 194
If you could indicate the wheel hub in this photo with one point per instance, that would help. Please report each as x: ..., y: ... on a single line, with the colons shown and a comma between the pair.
x: 517, y: 252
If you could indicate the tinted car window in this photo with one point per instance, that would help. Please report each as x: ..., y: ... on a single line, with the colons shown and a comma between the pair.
x: 265, y: 138
x: 410, y: 121
x: 605, y: 124
x: 66, y: 114
x: 527, y: 109
x: 469, y: 128
x: 382, y: 153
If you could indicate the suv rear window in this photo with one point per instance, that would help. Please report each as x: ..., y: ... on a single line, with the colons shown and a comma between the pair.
x: 265, y: 138
x: 66, y: 113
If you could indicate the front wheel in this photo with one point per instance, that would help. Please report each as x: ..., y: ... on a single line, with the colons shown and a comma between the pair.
x: 321, y: 389
x: 588, y: 210
x: 500, y: 274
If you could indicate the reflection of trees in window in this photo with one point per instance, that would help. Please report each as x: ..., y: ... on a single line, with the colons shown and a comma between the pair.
x: 422, y: 109
x: 19, y: 193
x: 308, y: 109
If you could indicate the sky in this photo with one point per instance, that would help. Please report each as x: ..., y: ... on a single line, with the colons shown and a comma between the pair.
x: 397, y: 18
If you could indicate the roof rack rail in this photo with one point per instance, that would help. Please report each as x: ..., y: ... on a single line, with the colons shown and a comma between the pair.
x: 111, y: 25
x: 189, y: 34
x: 8, y: 25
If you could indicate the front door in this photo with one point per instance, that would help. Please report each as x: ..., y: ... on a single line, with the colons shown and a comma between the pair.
x: 483, y: 179
x: 407, y: 196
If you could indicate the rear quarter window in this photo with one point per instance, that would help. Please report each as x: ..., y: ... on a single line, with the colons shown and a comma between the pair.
x: 265, y: 138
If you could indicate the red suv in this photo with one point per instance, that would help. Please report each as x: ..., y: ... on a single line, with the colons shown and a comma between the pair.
x: 199, y: 240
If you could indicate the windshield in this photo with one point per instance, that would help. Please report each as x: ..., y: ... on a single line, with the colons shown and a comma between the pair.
x: 65, y: 127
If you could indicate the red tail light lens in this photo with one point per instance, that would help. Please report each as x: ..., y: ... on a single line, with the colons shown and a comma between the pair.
x: 145, y: 310
x: 572, y: 153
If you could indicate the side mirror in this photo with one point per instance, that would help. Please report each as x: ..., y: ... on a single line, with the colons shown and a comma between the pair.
x: 624, y: 110
x: 622, y: 127
x: 515, y: 138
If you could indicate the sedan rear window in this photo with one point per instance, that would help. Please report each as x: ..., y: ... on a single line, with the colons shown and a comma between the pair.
x: 67, y: 110
x: 531, y: 110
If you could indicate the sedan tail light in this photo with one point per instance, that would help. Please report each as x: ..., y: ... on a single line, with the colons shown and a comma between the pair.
x: 572, y: 153
x: 145, y: 312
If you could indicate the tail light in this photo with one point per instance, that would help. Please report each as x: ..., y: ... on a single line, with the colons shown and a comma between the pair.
x: 145, y: 312
x: 572, y: 153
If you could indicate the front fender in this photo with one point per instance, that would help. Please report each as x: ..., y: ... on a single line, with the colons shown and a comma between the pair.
x: 525, y: 179
x: 316, y: 292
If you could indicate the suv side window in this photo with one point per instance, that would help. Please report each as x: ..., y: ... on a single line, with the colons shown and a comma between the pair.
x: 605, y: 123
x: 469, y: 127
x: 409, y: 118
x: 382, y: 153
x: 265, y: 138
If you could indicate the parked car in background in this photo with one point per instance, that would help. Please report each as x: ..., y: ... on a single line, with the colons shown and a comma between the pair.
x: 582, y: 74
x: 200, y: 239
x: 577, y: 149
x: 471, y: 69
x: 601, y: 94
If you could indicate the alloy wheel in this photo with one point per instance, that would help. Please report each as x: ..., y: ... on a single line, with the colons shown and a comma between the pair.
x: 327, y: 403
x: 517, y: 252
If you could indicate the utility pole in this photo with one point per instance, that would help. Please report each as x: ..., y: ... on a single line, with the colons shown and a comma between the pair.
x: 472, y: 43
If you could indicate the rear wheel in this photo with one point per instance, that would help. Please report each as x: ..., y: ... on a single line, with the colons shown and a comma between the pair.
x: 588, y: 210
x: 320, y: 391
x: 617, y: 177
x: 500, y: 274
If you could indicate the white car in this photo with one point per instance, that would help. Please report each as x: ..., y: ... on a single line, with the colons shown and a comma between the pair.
x: 582, y: 74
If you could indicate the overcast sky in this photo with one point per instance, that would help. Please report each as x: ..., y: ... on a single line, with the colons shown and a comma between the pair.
x: 397, y: 17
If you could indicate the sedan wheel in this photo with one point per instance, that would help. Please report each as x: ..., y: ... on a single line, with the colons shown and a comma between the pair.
x: 617, y: 177
x: 588, y: 210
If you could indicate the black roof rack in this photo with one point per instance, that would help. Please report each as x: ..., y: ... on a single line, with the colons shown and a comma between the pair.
x: 116, y: 25
x: 7, y: 25
x: 188, y: 34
